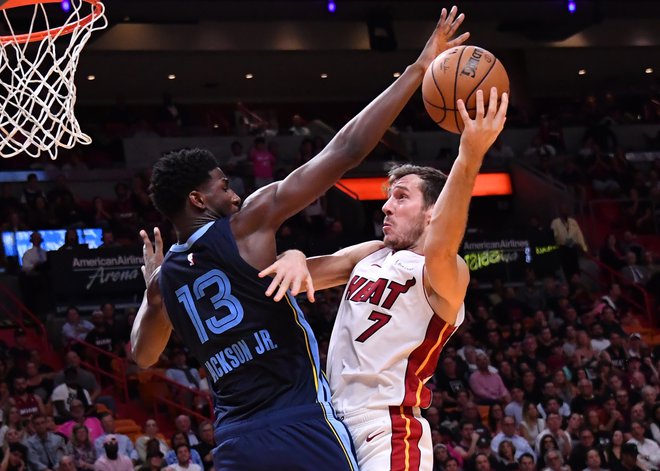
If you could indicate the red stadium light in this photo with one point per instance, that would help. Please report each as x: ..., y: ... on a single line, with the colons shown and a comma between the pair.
x: 375, y: 188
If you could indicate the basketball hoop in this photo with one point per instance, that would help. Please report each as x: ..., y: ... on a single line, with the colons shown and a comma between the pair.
x: 37, y: 70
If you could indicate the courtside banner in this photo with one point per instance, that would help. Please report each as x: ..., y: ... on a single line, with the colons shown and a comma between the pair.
x: 113, y: 270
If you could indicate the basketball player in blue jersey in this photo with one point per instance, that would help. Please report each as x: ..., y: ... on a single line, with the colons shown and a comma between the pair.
x: 272, y: 401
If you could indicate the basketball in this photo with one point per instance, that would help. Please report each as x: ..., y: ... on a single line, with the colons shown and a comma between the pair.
x: 456, y: 74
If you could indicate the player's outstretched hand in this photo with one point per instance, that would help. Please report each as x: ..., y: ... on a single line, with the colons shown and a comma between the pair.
x: 289, y: 272
x: 481, y: 132
x: 151, y: 253
x: 441, y: 39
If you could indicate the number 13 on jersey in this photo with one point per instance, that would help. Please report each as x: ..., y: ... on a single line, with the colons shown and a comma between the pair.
x: 223, y: 298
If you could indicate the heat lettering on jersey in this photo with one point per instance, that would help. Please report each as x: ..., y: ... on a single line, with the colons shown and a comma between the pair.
x: 239, y: 353
x: 362, y: 290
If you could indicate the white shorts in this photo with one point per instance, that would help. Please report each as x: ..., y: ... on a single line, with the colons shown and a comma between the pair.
x: 398, y: 439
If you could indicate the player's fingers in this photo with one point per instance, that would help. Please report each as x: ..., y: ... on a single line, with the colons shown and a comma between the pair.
x: 463, y: 112
x: 504, y: 104
x: 492, y: 103
x: 480, y: 105
x: 143, y: 269
x: 295, y: 286
x: 281, y: 292
x: 147, y: 248
x: 158, y: 240
x: 458, y: 41
x: 443, y: 17
x: 273, y: 285
x: 310, y: 289
x: 455, y: 25
x: 452, y: 15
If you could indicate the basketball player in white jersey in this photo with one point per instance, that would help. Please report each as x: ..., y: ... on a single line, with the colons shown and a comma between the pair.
x: 403, y: 301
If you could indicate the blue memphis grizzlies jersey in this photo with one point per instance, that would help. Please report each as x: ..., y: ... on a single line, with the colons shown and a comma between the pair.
x: 260, y: 355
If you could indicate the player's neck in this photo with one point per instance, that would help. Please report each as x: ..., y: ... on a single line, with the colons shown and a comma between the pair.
x: 187, y: 225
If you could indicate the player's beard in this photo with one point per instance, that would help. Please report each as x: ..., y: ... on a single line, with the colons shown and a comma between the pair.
x: 407, y: 238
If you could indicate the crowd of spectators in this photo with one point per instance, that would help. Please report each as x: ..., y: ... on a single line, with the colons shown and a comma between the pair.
x: 548, y: 375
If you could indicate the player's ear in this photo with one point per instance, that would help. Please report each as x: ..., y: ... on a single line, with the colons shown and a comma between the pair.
x: 196, y: 198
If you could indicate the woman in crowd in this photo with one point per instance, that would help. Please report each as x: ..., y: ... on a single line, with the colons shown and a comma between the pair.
x: 613, y: 452
x: 81, y: 449
x: 532, y: 424
x: 548, y: 443
x: 506, y: 455
x: 495, y: 416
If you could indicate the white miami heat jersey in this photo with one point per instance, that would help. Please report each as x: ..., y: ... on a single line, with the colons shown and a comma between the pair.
x: 386, y: 339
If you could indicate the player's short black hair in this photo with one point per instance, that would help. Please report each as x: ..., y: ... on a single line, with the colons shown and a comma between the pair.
x: 176, y: 174
x: 433, y: 180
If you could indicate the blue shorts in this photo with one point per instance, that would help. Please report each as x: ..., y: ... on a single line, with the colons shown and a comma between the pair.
x: 306, y: 438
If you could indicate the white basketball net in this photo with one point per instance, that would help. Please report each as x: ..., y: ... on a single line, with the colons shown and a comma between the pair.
x: 37, y: 89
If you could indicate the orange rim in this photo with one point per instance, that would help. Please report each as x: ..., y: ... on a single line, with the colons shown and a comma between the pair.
x: 59, y: 31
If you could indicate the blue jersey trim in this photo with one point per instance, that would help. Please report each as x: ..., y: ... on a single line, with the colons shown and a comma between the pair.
x: 192, y: 239
x: 323, y: 388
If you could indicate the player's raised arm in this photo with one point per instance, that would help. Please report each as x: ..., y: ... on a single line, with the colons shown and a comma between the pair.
x: 358, y: 138
x: 152, y: 327
x: 446, y: 273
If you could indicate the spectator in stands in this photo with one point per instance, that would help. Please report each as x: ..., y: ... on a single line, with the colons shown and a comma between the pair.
x: 586, y: 442
x: 450, y: 381
x: 78, y: 417
x: 560, y: 437
x: 569, y: 239
x: 35, y: 264
x: 612, y: 452
x: 83, y: 377
x: 630, y: 457
x: 263, y: 163
x: 611, y: 253
x: 39, y: 383
x: 155, y: 462
x: 45, y: 449
x: 586, y: 399
x: 515, y: 407
x: 31, y: 191
x: 101, y: 216
x: 42, y: 215
x: 487, y: 386
x: 500, y: 154
x: 15, y: 458
x: 71, y: 240
x: 181, y: 373
x: 184, y: 425
x: 554, y: 461
x: 103, y: 339
x: 108, y: 240
x: 150, y: 433
x: 298, y: 127
x: 508, y: 433
x: 112, y: 459
x: 180, y: 438
x: 206, y: 444
x: 632, y: 272
x: 531, y: 424
x: 27, y: 404
x: 649, y: 450
x: 467, y: 445
x: 81, y: 449
x: 124, y: 444
x: 495, y: 417
x: 65, y: 394
x: 124, y: 214
x: 183, y: 461
x: 75, y: 328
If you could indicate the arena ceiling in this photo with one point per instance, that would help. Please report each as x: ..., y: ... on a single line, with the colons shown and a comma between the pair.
x: 211, y: 45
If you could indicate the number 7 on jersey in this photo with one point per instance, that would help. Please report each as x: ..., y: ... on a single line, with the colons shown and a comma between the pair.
x: 380, y: 319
